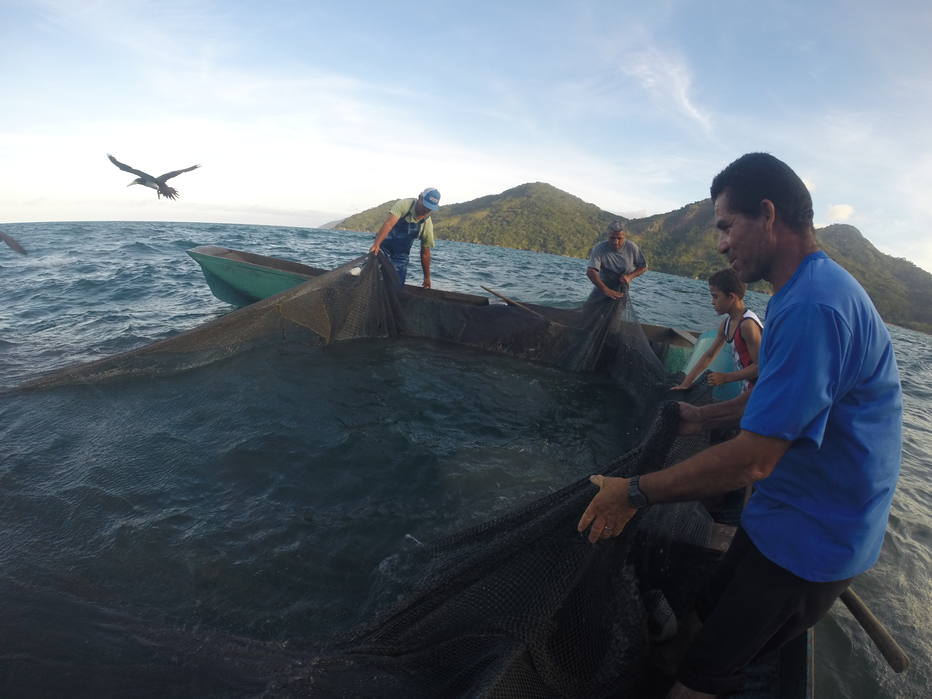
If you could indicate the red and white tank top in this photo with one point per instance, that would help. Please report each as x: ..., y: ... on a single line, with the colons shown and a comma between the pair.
x: 738, y: 346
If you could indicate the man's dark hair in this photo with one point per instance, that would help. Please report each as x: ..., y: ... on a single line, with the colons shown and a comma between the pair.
x: 757, y: 176
x: 726, y: 281
x: 615, y: 226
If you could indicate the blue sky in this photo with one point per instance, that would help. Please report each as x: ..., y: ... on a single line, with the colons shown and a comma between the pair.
x: 304, y: 112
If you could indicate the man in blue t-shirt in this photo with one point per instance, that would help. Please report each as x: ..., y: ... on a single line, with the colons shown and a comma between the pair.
x: 820, y: 438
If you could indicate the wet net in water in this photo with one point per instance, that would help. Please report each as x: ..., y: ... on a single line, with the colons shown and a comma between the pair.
x: 520, y: 606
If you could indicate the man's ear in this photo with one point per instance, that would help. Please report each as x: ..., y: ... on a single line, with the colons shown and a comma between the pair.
x: 768, y: 211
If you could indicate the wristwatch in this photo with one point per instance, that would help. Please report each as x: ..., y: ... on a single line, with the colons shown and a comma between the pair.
x: 636, y: 497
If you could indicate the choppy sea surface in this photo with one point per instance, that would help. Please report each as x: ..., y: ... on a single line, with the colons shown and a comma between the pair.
x: 254, y: 503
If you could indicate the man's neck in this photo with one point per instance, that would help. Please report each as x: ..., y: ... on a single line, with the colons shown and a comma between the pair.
x: 414, y: 213
x: 794, y: 248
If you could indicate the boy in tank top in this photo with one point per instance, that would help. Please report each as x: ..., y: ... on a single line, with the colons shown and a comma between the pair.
x: 741, y: 329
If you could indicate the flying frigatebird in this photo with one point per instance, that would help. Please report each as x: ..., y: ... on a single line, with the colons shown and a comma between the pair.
x: 156, y: 183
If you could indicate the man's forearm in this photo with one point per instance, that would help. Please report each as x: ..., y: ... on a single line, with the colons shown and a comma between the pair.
x: 724, y: 414
x: 425, y: 263
x: 596, y: 279
x: 733, y: 464
x: 385, y: 230
x: 747, y: 373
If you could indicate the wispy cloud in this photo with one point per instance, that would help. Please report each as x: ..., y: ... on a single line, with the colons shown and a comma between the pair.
x: 171, y: 32
x: 667, y: 78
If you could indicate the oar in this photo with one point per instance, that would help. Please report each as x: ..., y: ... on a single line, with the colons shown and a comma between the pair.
x: 11, y: 241
x: 885, y: 643
x: 512, y: 302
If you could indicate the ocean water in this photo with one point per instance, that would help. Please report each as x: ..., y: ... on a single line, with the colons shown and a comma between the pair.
x: 151, y: 529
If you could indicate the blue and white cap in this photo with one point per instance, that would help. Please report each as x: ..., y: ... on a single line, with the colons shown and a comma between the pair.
x: 430, y: 198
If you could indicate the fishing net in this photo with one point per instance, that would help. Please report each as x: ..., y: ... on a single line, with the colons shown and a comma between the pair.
x: 332, y: 307
x: 362, y: 299
x: 523, y: 606
x: 519, y: 606
x: 601, y: 336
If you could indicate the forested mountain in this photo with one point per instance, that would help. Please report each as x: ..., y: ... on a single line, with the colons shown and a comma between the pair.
x: 901, y: 291
x: 539, y: 217
x: 534, y: 216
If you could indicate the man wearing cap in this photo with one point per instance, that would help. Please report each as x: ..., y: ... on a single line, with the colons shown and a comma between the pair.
x: 408, y: 219
x: 613, y: 263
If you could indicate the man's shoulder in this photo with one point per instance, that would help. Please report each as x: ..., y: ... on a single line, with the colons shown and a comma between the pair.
x: 401, y: 207
x: 600, y: 248
x: 823, y: 282
x: 632, y: 250
x: 828, y: 305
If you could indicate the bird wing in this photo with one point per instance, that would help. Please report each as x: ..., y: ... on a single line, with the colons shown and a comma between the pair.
x: 169, y: 175
x: 11, y: 241
x: 127, y: 168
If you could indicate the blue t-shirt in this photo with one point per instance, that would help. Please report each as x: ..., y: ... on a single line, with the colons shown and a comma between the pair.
x: 828, y: 382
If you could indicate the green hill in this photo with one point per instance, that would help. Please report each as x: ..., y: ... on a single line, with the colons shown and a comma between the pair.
x: 901, y: 291
x: 534, y: 216
x: 682, y: 242
x: 539, y: 217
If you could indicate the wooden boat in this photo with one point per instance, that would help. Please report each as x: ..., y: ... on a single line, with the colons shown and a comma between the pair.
x: 241, y: 278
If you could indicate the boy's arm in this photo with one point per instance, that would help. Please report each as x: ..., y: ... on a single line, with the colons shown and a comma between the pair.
x: 704, y: 361
x: 750, y: 332
x: 717, y: 378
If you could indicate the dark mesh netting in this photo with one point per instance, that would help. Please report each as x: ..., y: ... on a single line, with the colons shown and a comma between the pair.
x: 339, y: 305
x: 520, y: 606
x: 523, y: 606
x: 602, y: 335
x: 362, y: 299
